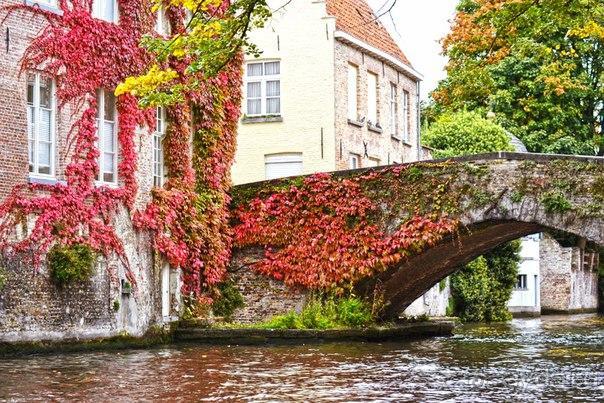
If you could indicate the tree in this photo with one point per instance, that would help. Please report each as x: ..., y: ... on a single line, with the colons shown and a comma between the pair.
x: 539, y: 65
x: 215, y: 31
x: 463, y: 133
x: 482, y: 288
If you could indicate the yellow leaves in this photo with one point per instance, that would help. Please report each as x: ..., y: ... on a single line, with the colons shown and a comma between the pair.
x: 590, y: 30
x: 147, y: 83
x: 195, y: 5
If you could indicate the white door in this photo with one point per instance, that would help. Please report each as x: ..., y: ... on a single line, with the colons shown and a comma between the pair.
x: 165, y: 291
x: 282, y: 165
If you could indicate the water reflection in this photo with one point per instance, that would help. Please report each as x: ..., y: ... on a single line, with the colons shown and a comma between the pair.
x: 553, y: 358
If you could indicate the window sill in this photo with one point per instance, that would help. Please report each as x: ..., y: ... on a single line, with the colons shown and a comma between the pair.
x: 374, y: 128
x: 406, y: 143
x: 42, y: 6
x: 43, y: 180
x: 110, y: 185
x: 395, y: 137
x: 262, y: 119
x: 355, y: 123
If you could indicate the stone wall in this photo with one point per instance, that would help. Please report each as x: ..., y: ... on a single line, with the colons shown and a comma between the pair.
x: 263, y: 296
x: 433, y: 303
x: 568, y: 278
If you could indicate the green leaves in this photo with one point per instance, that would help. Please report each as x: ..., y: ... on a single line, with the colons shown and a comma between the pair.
x: 70, y: 263
x: 463, y: 133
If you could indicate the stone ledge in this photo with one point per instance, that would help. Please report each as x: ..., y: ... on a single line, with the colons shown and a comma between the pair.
x: 261, y: 119
x: 292, y: 336
x: 355, y: 123
x: 43, y: 6
x: 374, y: 128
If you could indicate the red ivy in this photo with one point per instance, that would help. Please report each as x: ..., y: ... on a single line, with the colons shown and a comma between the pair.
x: 188, y: 217
x: 324, y: 233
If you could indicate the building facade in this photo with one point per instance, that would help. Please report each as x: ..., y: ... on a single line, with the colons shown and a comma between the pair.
x: 525, y: 299
x: 330, y: 91
x: 36, y: 149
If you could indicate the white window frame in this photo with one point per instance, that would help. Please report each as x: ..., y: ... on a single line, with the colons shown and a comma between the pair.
x: 100, y: 131
x: 393, y: 109
x: 353, y: 91
x: 280, y: 158
x: 263, y: 79
x: 406, y: 115
x: 159, y: 170
x: 354, y: 161
x: 36, y: 135
x: 521, y: 282
x: 97, y: 13
x: 374, y: 160
x: 162, y: 24
x: 50, y: 3
x: 373, y: 105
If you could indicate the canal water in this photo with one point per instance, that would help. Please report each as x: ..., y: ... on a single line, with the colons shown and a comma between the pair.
x: 557, y: 358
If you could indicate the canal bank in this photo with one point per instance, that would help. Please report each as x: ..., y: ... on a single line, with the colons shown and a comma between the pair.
x: 188, y: 332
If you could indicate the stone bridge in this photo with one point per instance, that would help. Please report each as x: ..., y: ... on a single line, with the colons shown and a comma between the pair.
x: 495, y: 197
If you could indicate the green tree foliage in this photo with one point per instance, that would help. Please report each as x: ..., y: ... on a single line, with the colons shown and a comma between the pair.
x: 539, y: 65
x: 230, y: 299
x: 483, y: 287
x: 462, y: 133
x: 70, y: 263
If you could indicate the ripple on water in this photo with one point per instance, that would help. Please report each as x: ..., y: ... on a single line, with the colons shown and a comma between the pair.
x: 557, y: 358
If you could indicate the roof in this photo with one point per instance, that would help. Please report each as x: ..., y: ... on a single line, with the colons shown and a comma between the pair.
x: 518, y: 145
x: 356, y: 18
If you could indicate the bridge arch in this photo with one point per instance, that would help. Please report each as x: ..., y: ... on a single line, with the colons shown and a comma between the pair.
x: 498, y: 197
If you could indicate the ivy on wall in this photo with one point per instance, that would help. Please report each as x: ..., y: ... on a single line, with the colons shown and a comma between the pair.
x: 188, y: 216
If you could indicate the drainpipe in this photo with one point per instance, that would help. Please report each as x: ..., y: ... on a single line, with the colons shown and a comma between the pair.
x: 419, y: 124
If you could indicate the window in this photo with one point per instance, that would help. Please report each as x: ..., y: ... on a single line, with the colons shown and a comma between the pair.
x: 372, y: 101
x: 393, y: 110
x: 282, y: 165
x: 107, y: 136
x: 105, y: 10
x: 52, y: 3
x: 40, y: 124
x: 162, y: 24
x: 263, y: 88
x: 159, y: 171
x: 354, y: 161
x: 406, y: 115
x: 353, y: 79
x: 521, y: 282
x: 374, y: 162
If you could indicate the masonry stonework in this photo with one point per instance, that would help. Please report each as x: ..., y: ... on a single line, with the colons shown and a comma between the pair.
x: 569, y: 278
x: 386, y: 146
x: 263, y: 296
x: 32, y: 307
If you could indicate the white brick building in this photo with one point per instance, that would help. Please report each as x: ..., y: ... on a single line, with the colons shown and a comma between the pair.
x: 331, y: 91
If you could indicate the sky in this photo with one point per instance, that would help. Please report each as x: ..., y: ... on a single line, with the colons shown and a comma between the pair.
x: 418, y: 27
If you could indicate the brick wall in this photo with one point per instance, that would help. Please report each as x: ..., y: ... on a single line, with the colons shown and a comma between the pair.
x: 31, y: 306
x: 351, y: 138
x: 263, y: 296
x: 567, y: 283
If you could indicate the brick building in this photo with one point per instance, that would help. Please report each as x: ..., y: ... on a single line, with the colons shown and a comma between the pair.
x: 331, y: 90
x: 36, y: 148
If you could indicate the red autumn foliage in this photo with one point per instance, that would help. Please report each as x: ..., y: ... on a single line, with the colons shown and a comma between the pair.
x: 325, y: 232
x: 85, y: 54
